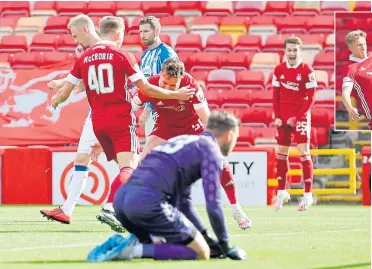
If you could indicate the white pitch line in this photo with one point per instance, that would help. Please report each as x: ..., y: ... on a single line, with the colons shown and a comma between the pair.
x: 248, y: 233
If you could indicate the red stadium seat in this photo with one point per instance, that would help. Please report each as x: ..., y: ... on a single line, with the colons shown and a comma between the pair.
x: 189, y: 42
x: 219, y: 43
x: 205, y: 23
x: 157, y: 8
x: 292, y: 25
x: 25, y: 60
x: 221, y: 79
x: 132, y: 43
x: 248, y: 43
x: 306, y: 8
x: 187, y: 8
x: 324, y: 61
x: 214, y: 98
x: 322, y: 136
x: 200, y: 76
x: 278, y: 8
x: 324, y: 98
x: 264, y: 135
x: 262, y: 25
x: 312, y: 42
x: 236, y: 98
x: 246, y: 8
x: 238, y: 111
x: 238, y: 60
x: 98, y: 8
x: 262, y: 98
x: 166, y: 39
x: 13, y: 44
x: 66, y: 43
x: 362, y: 6
x: 10, y: 8
x: 184, y: 57
x: 322, y: 117
x: 250, y: 79
x: 221, y: 8
x: 258, y: 116
x: 7, y: 26
x: 321, y: 24
x: 44, y: 8
x: 275, y: 43
x: 205, y: 61
x: 329, y: 7
x: 129, y: 8
x: 52, y: 57
x: 134, y: 26
x: 57, y: 25
x: 44, y: 42
x: 71, y: 8
x: 246, y: 136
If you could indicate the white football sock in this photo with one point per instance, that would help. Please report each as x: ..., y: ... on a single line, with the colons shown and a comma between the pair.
x: 109, y: 207
x: 137, y: 251
x: 76, y: 188
x: 236, y: 207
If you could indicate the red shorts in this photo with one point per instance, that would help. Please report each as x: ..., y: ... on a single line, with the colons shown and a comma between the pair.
x: 286, y: 135
x: 117, y: 140
x: 166, y: 132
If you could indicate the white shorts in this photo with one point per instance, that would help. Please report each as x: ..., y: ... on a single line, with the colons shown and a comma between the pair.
x: 87, y: 138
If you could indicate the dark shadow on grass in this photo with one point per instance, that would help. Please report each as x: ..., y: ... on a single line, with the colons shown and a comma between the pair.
x: 51, y: 231
x: 345, y: 266
x: 137, y: 261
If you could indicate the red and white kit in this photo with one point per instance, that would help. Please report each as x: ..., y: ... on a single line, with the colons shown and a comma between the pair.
x: 175, y: 117
x: 105, y: 71
x: 293, y: 98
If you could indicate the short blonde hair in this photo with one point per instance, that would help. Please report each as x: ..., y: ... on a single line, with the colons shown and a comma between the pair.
x: 111, y: 24
x: 81, y: 20
x: 293, y: 40
x: 354, y: 35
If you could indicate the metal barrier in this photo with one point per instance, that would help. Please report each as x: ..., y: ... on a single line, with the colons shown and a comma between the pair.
x: 351, y: 171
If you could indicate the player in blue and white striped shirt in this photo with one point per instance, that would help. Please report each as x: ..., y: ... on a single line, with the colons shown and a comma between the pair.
x: 151, y: 62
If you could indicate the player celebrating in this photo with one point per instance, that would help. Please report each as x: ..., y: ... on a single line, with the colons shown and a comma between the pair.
x: 84, y: 34
x: 295, y: 84
x: 147, y: 204
x: 151, y: 61
x: 105, y: 70
x: 185, y: 117
x: 356, y: 41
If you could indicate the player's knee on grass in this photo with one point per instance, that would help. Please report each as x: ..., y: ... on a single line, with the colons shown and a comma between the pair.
x: 304, y: 149
x: 82, y: 159
x: 200, y: 246
x: 127, y: 159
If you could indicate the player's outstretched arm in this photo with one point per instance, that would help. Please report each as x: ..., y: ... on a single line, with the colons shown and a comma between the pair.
x: 346, y: 99
x: 63, y: 94
x: 153, y: 91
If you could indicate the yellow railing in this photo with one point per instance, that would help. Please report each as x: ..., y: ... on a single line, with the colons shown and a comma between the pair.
x: 351, y: 124
x: 351, y: 172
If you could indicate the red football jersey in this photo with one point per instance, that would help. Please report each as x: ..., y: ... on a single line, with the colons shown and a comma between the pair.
x: 360, y: 78
x: 353, y: 61
x: 293, y: 83
x: 175, y: 113
x: 105, y: 70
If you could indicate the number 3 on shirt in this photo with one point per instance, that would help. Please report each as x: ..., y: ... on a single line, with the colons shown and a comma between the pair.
x: 97, y: 81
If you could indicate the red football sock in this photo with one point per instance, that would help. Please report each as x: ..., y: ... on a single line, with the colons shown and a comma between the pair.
x: 282, y: 167
x: 121, y: 178
x: 307, y: 171
x: 228, y: 183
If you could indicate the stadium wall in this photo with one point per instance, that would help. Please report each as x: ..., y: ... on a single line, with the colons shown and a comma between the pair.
x: 42, y: 176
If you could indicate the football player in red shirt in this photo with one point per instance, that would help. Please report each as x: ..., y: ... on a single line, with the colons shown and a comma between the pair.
x: 294, y: 87
x: 184, y: 117
x: 356, y: 41
x: 105, y: 71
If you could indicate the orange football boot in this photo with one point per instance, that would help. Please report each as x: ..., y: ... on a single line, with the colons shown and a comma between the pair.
x: 56, y: 214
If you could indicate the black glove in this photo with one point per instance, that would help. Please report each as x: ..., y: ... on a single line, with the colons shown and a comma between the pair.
x: 214, y: 246
x: 234, y: 253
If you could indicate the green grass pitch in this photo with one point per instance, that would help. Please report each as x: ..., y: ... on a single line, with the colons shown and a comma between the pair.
x: 323, y: 237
